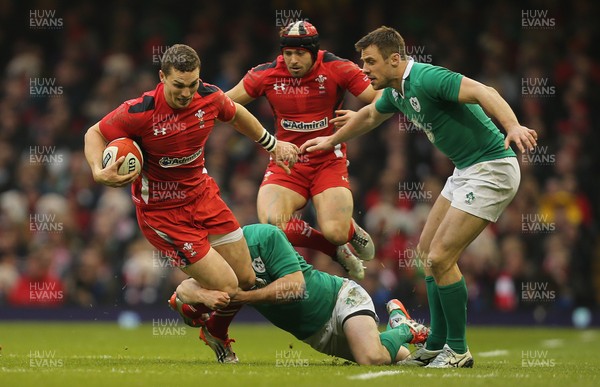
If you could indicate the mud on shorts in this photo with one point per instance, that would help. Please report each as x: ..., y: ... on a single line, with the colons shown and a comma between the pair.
x: 352, y: 300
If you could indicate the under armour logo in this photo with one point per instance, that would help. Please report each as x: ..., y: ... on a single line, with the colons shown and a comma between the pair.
x: 158, y: 131
x: 279, y: 87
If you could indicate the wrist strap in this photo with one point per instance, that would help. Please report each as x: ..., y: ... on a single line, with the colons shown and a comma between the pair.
x: 268, y: 141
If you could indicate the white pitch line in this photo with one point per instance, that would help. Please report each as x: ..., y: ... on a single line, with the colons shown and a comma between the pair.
x: 587, y: 336
x: 373, y: 375
x: 553, y: 343
x: 497, y: 352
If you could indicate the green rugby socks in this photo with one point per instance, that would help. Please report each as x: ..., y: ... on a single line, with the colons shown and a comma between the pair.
x: 453, y: 299
x: 437, y: 335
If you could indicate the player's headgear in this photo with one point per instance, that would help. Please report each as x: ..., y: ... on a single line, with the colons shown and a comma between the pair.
x: 301, y: 34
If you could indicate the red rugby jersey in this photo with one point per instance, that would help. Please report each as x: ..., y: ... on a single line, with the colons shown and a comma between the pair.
x: 172, y: 141
x: 303, y: 107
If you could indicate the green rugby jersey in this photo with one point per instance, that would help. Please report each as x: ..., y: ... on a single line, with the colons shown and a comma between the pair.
x: 463, y: 132
x: 274, y: 257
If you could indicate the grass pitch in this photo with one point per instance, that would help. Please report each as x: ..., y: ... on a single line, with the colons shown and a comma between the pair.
x: 168, y: 353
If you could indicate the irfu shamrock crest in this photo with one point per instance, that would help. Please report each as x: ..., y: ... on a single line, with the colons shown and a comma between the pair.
x: 470, y: 198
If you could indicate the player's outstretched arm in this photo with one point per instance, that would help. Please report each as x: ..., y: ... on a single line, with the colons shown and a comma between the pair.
x: 289, y: 288
x: 284, y: 153
x: 93, y: 148
x: 360, y: 123
x: 368, y: 96
x: 490, y: 100
x: 238, y: 94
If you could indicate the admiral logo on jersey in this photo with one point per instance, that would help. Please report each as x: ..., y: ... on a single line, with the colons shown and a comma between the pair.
x: 304, y: 107
x: 170, y: 162
x: 300, y: 126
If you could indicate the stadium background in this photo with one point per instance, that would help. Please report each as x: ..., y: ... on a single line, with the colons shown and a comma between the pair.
x: 70, y: 248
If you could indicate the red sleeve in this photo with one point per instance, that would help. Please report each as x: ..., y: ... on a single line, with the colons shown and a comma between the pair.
x: 253, y: 82
x: 225, y: 106
x: 351, y: 77
x: 121, y: 123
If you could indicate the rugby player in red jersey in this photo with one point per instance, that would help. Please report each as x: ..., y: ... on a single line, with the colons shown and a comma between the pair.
x: 305, y: 87
x: 178, y: 206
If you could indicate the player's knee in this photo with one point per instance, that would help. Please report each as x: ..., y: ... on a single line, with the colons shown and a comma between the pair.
x: 185, y: 291
x: 263, y: 217
x: 247, y: 281
x: 439, y: 263
x: 230, y: 290
x: 422, y: 251
x: 371, y: 358
x: 276, y: 220
x: 335, y: 232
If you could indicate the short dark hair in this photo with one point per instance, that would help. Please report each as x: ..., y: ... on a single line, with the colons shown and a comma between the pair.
x: 386, y: 39
x: 181, y: 57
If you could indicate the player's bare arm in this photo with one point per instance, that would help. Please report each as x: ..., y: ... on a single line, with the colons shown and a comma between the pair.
x: 109, y: 176
x: 368, y: 96
x: 490, y: 100
x: 362, y: 122
x: 284, y: 153
x: 289, y: 288
x: 238, y: 94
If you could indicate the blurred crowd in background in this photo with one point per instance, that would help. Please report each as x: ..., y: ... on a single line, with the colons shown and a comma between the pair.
x: 65, y: 240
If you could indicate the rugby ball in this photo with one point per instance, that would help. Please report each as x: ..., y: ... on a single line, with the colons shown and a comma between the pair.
x: 123, y: 147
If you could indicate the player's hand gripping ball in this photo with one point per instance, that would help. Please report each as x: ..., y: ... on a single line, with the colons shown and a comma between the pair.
x: 134, y: 160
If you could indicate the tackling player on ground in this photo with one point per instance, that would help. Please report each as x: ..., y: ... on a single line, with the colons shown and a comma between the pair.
x: 449, y: 107
x: 334, y: 315
x: 304, y: 87
x: 178, y: 205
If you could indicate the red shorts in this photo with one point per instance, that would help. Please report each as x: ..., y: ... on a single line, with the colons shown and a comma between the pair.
x: 310, y: 179
x: 181, y: 233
